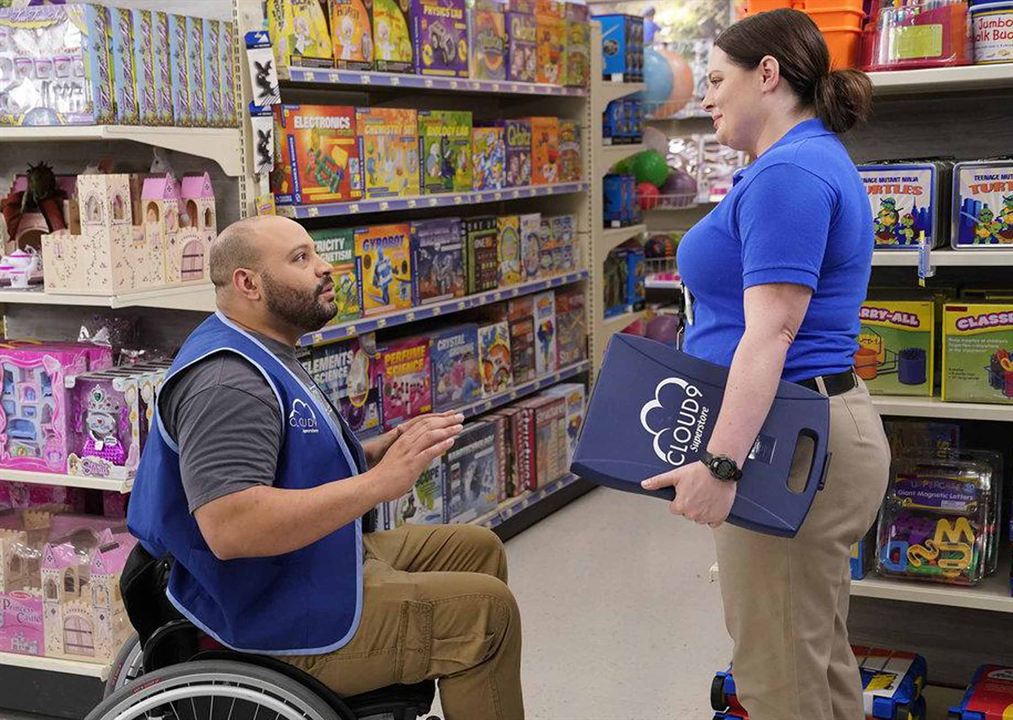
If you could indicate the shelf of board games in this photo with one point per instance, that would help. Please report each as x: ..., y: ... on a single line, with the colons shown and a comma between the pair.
x: 945, y: 257
x: 932, y: 81
x: 358, y: 79
x: 361, y: 326
x: 376, y: 205
x: 223, y: 145
x: 99, y: 671
x: 198, y: 298
x: 63, y: 480
x: 925, y: 407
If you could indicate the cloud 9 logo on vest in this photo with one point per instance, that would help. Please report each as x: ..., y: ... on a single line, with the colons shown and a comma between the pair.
x: 677, y: 419
x: 302, y: 417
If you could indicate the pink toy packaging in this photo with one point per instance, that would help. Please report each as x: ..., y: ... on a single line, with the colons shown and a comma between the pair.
x: 21, y: 623
x: 405, y: 380
x: 25, y: 496
x: 105, y: 430
x: 34, y: 408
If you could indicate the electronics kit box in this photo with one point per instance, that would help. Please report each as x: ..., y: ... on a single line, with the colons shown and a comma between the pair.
x: 544, y: 150
x: 982, y: 205
x: 896, y: 345
x: 475, y: 469
x: 907, y: 199
x: 457, y: 378
x: 345, y: 372
x: 445, y: 149
x: 544, y: 305
x: 437, y: 260
x: 488, y: 158
x: 405, y: 379
x: 494, y: 355
x: 383, y: 263
x: 337, y: 247
x: 299, y: 32
x: 351, y: 26
x: 978, y: 353
x: 389, y: 151
x: 521, y: 318
x: 509, y: 247
x: 522, y: 47
x: 441, y: 37
x: 481, y: 236
x: 531, y: 246
x: 517, y: 135
x: 317, y: 155
x: 487, y: 38
x: 393, y: 44
x: 425, y: 504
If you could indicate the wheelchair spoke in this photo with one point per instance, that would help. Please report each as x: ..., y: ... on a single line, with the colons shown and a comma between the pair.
x: 172, y: 707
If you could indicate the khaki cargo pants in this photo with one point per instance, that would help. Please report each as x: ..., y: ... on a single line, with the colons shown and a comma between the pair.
x: 435, y: 605
x: 786, y: 600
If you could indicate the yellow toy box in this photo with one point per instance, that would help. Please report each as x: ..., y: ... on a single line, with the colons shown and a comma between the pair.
x: 896, y: 341
x: 299, y: 32
x: 389, y: 151
x: 978, y: 353
x: 383, y: 264
x: 352, y: 34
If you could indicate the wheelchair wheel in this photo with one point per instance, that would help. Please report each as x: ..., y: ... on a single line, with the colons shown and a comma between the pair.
x: 215, y: 690
x: 127, y: 666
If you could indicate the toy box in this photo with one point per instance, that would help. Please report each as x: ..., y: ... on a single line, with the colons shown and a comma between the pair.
x: 544, y: 150
x: 393, y: 47
x: 144, y: 65
x: 551, y: 445
x: 383, y: 263
x: 351, y: 27
x: 578, y: 47
x: 896, y: 347
x: 517, y: 135
x: 345, y: 372
x: 522, y: 427
x: 566, y: 254
x: 982, y: 205
x: 21, y: 630
x: 571, y: 326
x: 162, y: 67
x: 196, y: 80
x: 457, y: 379
x: 570, y: 158
x: 226, y: 71
x: 67, y: 43
x: 26, y: 496
x: 575, y: 395
x: 488, y: 42
x: 549, y: 249
x: 337, y: 247
x: 104, y: 433
x: 424, y: 504
x: 622, y: 47
x: 893, y: 681
x: 212, y: 77
x: 437, y: 260
x: 550, y: 48
x: 544, y: 306
x: 319, y: 157
x: 988, y: 697
x: 494, y: 354
x: 531, y: 246
x: 124, y: 72
x: 906, y: 200
x: 522, y: 47
x: 978, y: 353
x: 508, y: 416
x: 299, y: 32
x: 475, y: 469
x: 624, y: 281
x: 389, y: 149
x: 488, y: 158
x: 445, y: 149
x: 481, y: 236
x: 521, y: 317
x: 182, y: 104
x: 441, y: 37
x: 405, y: 377
x: 510, y: 271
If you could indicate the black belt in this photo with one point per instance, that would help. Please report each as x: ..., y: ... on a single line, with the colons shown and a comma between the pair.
x: 835, y: 384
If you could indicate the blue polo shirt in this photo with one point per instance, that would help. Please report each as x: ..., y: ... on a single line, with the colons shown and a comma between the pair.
x: 799, y: 215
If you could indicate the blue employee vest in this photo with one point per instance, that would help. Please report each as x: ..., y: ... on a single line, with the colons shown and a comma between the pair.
x: 305, y: 602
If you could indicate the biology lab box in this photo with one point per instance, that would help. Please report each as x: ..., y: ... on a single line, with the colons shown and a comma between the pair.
x: 317, y: 156
x: 445, y: 149
x: 509, y: 228
x: 457, y: 379
x: 352, y: 34
x: 982, y: 205
x: 481, y: 236
x: 345, y: 373
x: 424, y: 504
x: 383, y: 262
x: 437, y: 260
x: 517, y: 135
x: 906, y: 200
x: 389, y: 148
x: 475, y: 470
x: 405, y: 378
x: 978, y: 353
x: 441, y: 37
x: 337, y: 247
x: 299, y: 32
x: 393, y: 49
x: 896, y: 347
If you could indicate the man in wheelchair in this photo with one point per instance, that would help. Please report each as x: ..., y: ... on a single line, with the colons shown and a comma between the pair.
x: 253, y: 504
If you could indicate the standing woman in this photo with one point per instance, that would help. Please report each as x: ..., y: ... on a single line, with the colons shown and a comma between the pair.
x: 778, y: 271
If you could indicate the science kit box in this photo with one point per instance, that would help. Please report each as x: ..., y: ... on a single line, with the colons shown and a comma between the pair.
x: 445, y: 149
x: 424, y: 504
x: 896, y: 347
x: 494, y: 354
x: 906, y: 200
x: 521, y: 318
x: 517, y: 135
x: 488, y: 158
x: 352, y: 33
x: 982, y: 205
x: 437, y: 260
x: 488, y: 42
x: 299, y: 32
x: 544, y: 150
x: 565, y: 257
x: 317, y: 155
x: 441, y: 37
x: 551, y: 445
x: 571, y: 326
x: 978, y: 353
x: 389, y: 148
x: 578, y: 46
x: 345, y: 371
x: 393, y: 44
x: 550, y: 30
x: 544, y: 304
x: 531, y: 246
x: 522, y: 47
x: 475, y: 470
x: 570, y: 156
x: 337, y: 247
x: 511, y: 478
x: 457, y: 378
x: 481, y: 236
x: 405, y: 380
x: 383, y: 263
x: 510, y: 271
x: 575, y: 395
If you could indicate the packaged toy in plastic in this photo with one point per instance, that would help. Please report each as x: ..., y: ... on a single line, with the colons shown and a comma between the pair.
x: 989, y: 697
x: 940, y: 518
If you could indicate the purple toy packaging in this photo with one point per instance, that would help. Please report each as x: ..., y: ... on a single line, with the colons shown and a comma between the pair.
x: 124, y: 71
x: 405, y: 375
x: 346, y: 372
x: 144, y: 65
x: 441, y: 37
x: 212, y: 80
x: 522, y: 47
x: 226, y: 68
x: 105, y: 429
x: 196, y: 80
x: 517, y: 134
x: 25, y: 496
x: 182, y: 103
x: 161, y: 68
x: 438, y: 260
x: 457, y: 379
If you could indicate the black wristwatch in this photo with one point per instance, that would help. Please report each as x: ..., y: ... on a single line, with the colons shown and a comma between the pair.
x: 721, y: 466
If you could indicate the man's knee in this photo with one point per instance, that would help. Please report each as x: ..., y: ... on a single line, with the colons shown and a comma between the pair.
x: 487, y: 547
x: 502, y: 616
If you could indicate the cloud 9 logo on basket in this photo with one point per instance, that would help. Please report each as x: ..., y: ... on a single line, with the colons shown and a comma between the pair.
x: 302, y: 417
x: 676, y: 418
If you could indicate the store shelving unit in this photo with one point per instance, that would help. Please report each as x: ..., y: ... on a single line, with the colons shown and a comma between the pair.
x: 98, y: 671
x: 945, y: 257
x: 931, y: 81
x: 64, y: 480
x: 613, y: 237
x: 518, y: 392
x: 934, y: 407
x: 993, y: 594
x: 199, y: 298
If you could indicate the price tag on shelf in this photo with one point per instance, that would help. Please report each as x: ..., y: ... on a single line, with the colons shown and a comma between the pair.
x: 428, y: 83
x: 313, y: 211
x: 395, y: 81
x: 925, y: 268
x: 384, y: 205
x: 353, y: 208
x: 381, y: 323
x: 365, y: 80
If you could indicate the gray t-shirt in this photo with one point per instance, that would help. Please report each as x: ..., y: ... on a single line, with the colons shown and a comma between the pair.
x: 224, y: 416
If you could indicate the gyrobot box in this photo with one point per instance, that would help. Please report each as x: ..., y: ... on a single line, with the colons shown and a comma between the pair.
x: 653, y: 409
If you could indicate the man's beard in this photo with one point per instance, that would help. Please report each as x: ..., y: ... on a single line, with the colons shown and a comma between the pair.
x: 301, y: 310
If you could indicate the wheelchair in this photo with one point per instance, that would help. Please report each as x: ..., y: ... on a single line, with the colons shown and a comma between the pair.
x: 181, y: 674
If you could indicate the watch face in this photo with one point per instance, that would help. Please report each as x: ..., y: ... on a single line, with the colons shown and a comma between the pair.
x: 725, y: 469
